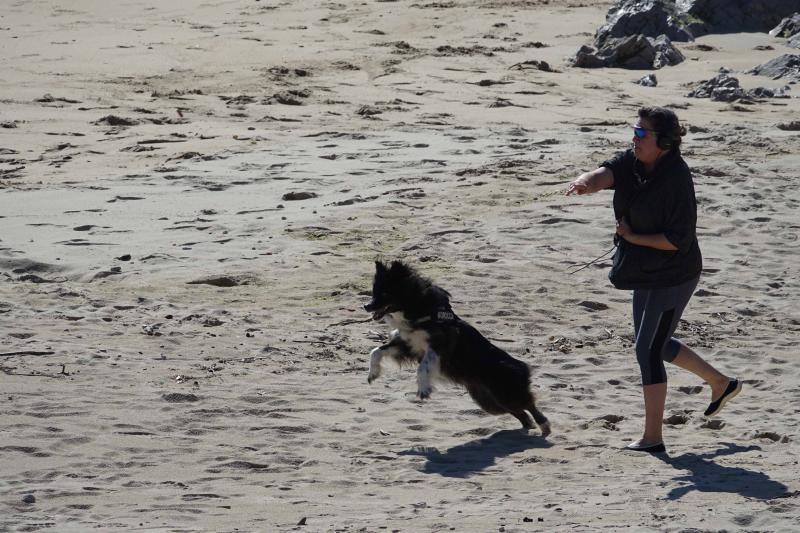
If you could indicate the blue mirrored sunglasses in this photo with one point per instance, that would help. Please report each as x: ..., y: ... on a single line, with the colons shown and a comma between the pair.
x: 640, y: 132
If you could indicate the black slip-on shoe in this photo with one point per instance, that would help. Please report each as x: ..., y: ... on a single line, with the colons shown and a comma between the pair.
x: 650, y: 448
x: 734, y: 387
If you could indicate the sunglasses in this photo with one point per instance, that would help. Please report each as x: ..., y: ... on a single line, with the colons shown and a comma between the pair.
x: 641, y: 132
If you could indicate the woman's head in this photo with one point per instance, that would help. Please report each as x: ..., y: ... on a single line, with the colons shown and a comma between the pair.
x: 657, y: 131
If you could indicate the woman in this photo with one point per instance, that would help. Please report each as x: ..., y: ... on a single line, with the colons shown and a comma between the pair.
x: 657, y: 257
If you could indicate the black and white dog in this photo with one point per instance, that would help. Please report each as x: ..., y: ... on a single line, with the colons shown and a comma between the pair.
x: 428, y: 333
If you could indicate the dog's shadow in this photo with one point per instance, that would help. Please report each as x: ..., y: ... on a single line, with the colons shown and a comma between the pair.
x: 472, y: 457
x: 707, y: 476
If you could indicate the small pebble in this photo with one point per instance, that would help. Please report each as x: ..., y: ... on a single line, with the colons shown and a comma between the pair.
x: 29, y: 498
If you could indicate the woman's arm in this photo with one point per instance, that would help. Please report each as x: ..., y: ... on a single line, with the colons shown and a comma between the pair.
x: 658, y: 241
x: 596, y: 180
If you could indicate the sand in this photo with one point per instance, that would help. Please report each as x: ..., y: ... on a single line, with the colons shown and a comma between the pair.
x: 192, y: 196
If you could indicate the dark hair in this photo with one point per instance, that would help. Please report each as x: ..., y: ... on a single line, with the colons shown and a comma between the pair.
x: 666, y: 124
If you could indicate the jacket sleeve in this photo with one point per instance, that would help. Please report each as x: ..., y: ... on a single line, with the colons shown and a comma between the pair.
x: 617, y: 165
x: 681, y: 224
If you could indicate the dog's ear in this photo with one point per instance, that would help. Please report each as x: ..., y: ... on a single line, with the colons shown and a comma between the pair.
x: 380, y: 267
x: 400, y: 269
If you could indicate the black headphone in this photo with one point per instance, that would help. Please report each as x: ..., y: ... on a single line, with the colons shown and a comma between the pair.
x: 664, y: 141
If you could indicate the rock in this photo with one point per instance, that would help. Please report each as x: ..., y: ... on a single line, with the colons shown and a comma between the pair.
x: 33, y: 278
x: 767, y: 92
x: 721, y: 88
x: 648, y: 81
x: 713, y: 424
x: 634, y: 52
x: 594, y: 306
x: 368, y: 111
x: 666, y: 53
x: 651, y: 18
x: 676, y: 419
x: 125, y: 257
x: 586, y: 57
x: 177, y: 397
x: 789, y: 27
x: 786, y: 66
x: 114, y: 120
x: 789, y: 126
x: 289, y: 196
x: 684, y: 20
x: 29, y: 498
x: 536, y: 64
x: 771, y: 435
x: 151, y: 330
x: 736, y: 16
x: 223, y: 281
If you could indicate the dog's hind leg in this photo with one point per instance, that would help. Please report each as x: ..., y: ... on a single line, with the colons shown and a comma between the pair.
x: 524, y: 418
x: 541, y: 420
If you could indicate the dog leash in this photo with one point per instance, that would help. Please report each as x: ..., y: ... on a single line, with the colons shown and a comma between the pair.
x: 593, y: 261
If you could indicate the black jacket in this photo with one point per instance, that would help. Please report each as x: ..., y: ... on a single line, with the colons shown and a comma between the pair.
x: 660, y: 202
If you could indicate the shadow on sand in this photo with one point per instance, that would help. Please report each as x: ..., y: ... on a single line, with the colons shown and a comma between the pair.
x: 707, y: 476
x: 472, y: 457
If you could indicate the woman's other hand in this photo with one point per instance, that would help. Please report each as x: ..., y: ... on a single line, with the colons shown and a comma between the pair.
x: 623, y: 228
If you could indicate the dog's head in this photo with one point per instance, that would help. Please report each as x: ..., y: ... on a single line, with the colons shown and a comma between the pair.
x: 398, y: 287
x: 388, y: 287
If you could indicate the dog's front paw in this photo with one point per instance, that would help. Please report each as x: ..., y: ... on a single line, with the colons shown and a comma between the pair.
x: 424, y: 393
x: 374, y: 365
x: 373, y: 375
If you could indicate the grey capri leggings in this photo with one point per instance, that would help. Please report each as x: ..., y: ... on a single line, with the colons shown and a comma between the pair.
x: 656, y: 313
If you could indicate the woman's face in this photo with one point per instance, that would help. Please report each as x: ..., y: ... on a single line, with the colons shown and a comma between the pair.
x: 645, y: 148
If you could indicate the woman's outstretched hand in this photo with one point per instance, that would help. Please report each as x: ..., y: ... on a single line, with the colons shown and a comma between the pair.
x: 579, y: 186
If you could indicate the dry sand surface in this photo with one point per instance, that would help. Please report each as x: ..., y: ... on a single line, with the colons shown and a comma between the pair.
x: 183, y: 346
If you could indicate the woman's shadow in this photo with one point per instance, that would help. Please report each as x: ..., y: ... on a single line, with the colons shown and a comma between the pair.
x: 707, y: 476
x: 471, y: 457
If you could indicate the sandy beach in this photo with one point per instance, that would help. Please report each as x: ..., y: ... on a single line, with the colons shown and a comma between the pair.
x: 192, y: 198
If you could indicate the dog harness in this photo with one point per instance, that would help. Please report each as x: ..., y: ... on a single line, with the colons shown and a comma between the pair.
x: 443, y: 315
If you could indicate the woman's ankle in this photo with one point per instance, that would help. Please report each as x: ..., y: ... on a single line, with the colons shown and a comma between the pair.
x: 718, y: 385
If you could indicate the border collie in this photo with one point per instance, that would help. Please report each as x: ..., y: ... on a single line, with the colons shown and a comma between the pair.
x: 427, y: 332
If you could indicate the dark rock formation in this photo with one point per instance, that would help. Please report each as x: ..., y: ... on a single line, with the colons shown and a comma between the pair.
x: 636, y: 52
x: 789, y: 27
x: 683, y: 20
x: 648, y: 81
x: 721, y: 88
x: 733, y: 16
x: 725, y: 88
x: 785, y: 67
x: 651, y: 18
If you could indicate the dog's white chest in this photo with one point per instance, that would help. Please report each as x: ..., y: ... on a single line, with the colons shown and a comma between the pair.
x: 417, y: 339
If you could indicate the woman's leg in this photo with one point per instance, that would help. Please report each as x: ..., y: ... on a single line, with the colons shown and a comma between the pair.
x: 688, y: 359
x: 658, y: 316
x: 654, y: 398
x: 646, y: 318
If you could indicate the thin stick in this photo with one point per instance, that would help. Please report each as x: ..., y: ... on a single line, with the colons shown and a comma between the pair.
x: 11, y: 354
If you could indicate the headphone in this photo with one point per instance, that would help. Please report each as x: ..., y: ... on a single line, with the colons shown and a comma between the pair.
x: 664, y: 141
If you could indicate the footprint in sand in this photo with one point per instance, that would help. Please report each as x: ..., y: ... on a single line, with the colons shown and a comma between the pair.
x: 771, y: 435
x: 676, y: 419
x: 713, y: 424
